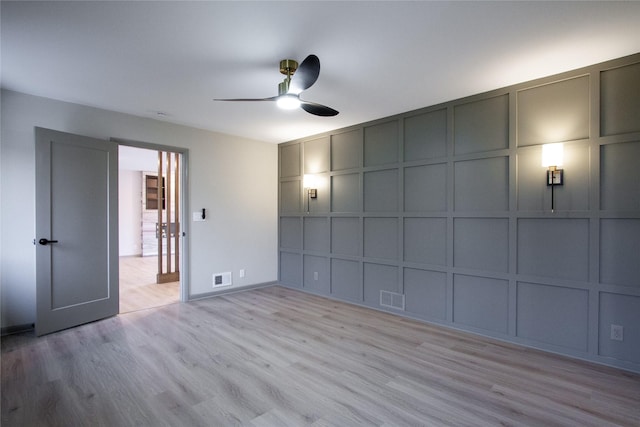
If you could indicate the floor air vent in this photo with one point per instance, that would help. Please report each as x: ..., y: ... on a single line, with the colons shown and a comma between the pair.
x: 222, y: 279
x: 392, y: 300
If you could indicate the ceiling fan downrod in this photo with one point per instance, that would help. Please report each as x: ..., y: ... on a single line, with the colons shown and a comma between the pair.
x: 287, y: 67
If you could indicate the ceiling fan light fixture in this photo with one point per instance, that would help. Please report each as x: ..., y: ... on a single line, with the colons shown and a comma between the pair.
x: 288, y: 102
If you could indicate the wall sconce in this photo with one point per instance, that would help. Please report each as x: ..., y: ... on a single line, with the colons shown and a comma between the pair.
x: 310, y: 184
x: 552, y: 157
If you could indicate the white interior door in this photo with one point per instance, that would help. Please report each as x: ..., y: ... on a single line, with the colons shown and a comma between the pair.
x: 76, y: 230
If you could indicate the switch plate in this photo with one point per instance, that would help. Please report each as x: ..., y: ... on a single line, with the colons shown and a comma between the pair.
x: 242, y: 272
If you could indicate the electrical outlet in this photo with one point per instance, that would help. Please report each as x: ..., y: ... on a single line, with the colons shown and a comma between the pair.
x: 242, y: 272
x: 617, y: 333
x: 315, y: 275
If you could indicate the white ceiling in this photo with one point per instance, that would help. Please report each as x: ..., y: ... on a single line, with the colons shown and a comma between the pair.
x: 378, y: 58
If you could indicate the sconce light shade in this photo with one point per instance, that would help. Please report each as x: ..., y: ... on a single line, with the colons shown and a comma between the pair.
x: 552, y: 155
x: 310, y: 181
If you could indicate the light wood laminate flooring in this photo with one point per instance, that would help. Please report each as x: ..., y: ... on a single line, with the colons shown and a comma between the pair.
x: 279, y: 357
x: 138, y: 287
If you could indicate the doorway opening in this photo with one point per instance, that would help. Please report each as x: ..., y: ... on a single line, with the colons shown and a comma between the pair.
x: 149, y: 215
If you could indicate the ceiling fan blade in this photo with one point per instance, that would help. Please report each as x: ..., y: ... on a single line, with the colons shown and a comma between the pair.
x: 273, y: 98
x: 317, y: 109
x: 305, y: 76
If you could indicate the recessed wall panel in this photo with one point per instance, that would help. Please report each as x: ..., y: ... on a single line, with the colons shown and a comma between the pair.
x: 425, y: 293
x: 425, y: 240
x: 425, y: 135
x: 481, y: 243
x: 620, y: 177
x: 316, y: 234
x: 381, y: 144
x: 554, y: 112
x: 481, y: 302
x: 482, y: 185
x: 290, y: 233
x: 346, y: 150
x: 381, y: 191
x: 552, y: 314
x: 316, y: 155
x: 379, y: 277
x: 290, y: 197
x: 345, y: 193
x: 346, y: 279
x: 291, y: 269
x: 345, y: 236
x: 381, y: 238
x: 482, y: 125
x: 425, y: 188
x: 620, y: 252
x: 553, y: 247
x: 316, y: 274
x: 619, y: 100
x: 289, y: 160
x: 620, y: 310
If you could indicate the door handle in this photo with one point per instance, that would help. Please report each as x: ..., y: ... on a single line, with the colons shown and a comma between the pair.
x: 46, y: 241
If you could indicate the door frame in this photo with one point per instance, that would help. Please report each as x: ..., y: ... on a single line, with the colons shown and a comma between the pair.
x: 185, y: 254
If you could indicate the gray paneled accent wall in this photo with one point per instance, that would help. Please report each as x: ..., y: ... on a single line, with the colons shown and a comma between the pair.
x: 448, y: 206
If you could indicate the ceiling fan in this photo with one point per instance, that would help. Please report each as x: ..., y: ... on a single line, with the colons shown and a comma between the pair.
x: 298, y: 79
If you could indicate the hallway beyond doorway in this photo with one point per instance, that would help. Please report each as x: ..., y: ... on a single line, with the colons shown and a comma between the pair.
x: 138, y: 287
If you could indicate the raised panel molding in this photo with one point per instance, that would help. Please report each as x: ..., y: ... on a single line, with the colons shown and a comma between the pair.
x: 345, y: 193
x: 316, y: 234
x: 346, y: 150
x: 289, y: 160
x: 381, y: 238
x: 425, y: 135
x: 381, y: 191
x: 425, y: 188
x: 556, y: 248
x: 346, y: 281
x: 482, y: 125
x: 447, y: 208
x: 482, y: 185
x: 425, y: 240
x: 481, y: 303
x: 554, y: 112
x: 620, y: 177
x: 381, y: 144
x: 426, y: 293
x: 481, y: 244
x: 553, y: 315
x: 317, y: 155
x: 619, y: 100
x: 290, y: 233
x: 620, y: 252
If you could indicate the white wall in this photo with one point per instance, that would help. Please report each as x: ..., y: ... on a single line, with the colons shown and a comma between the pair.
x: 235, y: 179
x: 130, y: 212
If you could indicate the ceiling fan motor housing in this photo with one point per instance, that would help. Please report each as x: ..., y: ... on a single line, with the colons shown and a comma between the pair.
x: 288, y: 67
